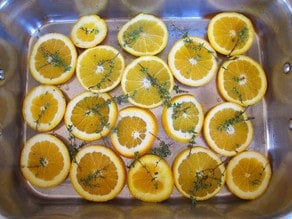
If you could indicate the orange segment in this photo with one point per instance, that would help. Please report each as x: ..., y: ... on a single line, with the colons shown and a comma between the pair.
x: 150, y: 179
x: 228, y: 129
x: 198, y: 173
x: 230, y: 33
x: 144, y: 34
x: 45, y: 161
x: 242, y: 80
x: 248, y: 174
x: 193, y: 61
x: 44, y: 107
x: 91, y: 116
x: 148, y: 82
x: 53, y: 59
x: 100, y: 69
x: 135, y: 131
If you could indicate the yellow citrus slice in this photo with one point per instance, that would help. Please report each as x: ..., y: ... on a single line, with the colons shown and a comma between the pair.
x: 88, y: 31
x: 183, y: 119
x: 193, y: 61
x: 90, y: 116
x: 198, y: 172
x: 135, y: 131
x: 248, y: 174
x: 97, y: 174
x: 7, y: 107
x: 150, y: 179
x: 8, y: 61
x: 53, y: 59
x: 242, y: 80
x: 100, y: 69
x: 45, y: 161
x: 231, y: 33
x: 147, y: 81
x: 44, y: 107
x: 144, y: 34
x: 228, y: 129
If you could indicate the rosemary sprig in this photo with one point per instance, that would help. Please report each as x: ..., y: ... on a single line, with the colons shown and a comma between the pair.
x: 55, y: 59
x: 131, y: 37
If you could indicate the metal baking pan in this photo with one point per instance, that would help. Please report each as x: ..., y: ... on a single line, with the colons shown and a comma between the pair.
x: 22, y: 22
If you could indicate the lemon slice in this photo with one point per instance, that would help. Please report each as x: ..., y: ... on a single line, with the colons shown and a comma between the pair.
x: 193, y: 61
x: 45, y: 161
x: 88, y: 31
x: 144, y: 34
x: 44, y: 107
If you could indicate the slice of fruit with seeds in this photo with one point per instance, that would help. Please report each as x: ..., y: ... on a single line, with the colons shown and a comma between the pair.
x: 100, y: 69
x: 97, y: 173
x: 53, y: 59
x: 242, y: 80
x: 45, y: 161
x: 228, y: 129
x: 135, y: 131
x: 248, y: 174
x: 199, y: 174
x: 150, y: 179
x: 231, y: 33
x: 90, y: 116
x: 88, y: 31
x: 183, y: 119
x: 193, y: 61
x: 147, y: 81
x: 144, y: 34
x: 44, y: 107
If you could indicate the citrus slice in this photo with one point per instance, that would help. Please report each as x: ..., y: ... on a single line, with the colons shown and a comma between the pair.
x: 135, y: 131
x: 199, y: 174
x: 150, y: 179
x: 88, y: 31
x: 147, y: 81
x: 53, y: 59
x: 45, y: 161
x: 8, y: 61
x: 100, y: 69
x: 44, y: 107
x: 228, y: 129
x: 193, y: 61
x: 97, y: 174
x: 231, y: 33
x: 248, y: 174
x: 7, y: 107
x: 242, y: 80
x: 144, y: 34
x: 183, y: 119
x: 90, y: 116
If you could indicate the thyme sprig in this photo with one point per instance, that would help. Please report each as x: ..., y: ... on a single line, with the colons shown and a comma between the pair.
x: 163, y: 150
x: 89, y: 30
x: 130, y: 37
x: 74, y: 147
x: 88, y: 179
x: 241, y: 38
x: 55, y: 59
x: 42, y: 113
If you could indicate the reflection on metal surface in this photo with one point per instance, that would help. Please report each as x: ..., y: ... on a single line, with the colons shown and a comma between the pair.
x: 2, y: 76
x: 287, y: 68
x: 147, y: 6
x: 90, y: 6
x: 290, y: 124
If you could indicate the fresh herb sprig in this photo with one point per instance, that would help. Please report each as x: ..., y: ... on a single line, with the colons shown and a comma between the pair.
x: 55, y: 59
x: 242, y: 35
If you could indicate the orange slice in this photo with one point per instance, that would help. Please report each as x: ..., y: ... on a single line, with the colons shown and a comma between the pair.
x: 52, y: 59
x: 44, y: 107
x: 231, y: 33
x: 100, y: 69
x: 242, y: 80
x: 147, y: 81
x: 150, y: 179
x: 45, y: 161
x: 228, y: 129
x: 199, y: 174
x: 144, y: 34
x: 183, y: 118
x: 97, y: 174
x: 91, y: 116
x: 193, y: 61
x: 135, y: 131
x: 248, y: 174
x: 88, y: 31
